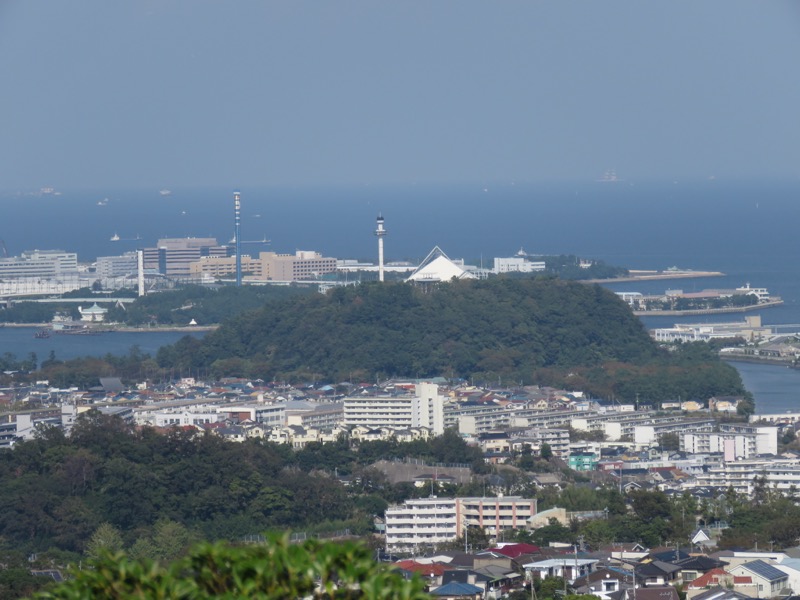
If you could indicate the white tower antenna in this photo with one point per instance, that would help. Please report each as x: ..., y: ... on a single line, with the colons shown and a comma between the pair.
x: 380, y: 232
x: 140, y: 270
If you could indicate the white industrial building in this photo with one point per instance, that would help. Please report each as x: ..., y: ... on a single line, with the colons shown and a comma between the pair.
x: 39, y: 263
x: 751, y: 329
x: 423, y: 408
x: 116, y: 266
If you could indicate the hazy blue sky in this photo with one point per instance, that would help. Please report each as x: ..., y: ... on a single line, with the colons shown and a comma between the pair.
x: 170, y: 93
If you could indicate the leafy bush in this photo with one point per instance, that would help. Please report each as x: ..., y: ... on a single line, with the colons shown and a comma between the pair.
x: 275, y: 570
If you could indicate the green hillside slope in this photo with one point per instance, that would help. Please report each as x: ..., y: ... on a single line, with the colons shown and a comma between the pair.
x: 513, y: 329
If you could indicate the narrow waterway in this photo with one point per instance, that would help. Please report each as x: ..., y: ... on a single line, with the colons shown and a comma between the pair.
x: 20, y: 341
x: 775, y: 388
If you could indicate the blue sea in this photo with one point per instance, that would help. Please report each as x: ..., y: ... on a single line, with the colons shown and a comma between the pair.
x: 748, y: 230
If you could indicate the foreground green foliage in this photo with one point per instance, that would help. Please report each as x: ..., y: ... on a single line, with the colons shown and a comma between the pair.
x: 276, y: 570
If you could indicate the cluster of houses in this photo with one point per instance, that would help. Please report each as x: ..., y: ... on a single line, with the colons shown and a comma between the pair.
x: 613, y: 572
x: 633, y: 446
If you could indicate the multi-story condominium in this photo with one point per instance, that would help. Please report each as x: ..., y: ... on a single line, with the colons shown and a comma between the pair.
x: 316, y: 415
x: 557, y: 439
x: 474, y: 419
x: 422, y: 523
x: 423, y: 408
x: 735, y: 441
x: 742, y: 475
x: 39, y: 263
x: 651, y: 433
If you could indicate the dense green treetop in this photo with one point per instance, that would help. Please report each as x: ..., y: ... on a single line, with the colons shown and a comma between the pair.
x: 543, y: 330
x: 108, y: 486
x: 498, y: 327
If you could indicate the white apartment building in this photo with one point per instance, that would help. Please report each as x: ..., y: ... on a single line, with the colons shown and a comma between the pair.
x: 651, y: 434
x: 425, y: 408
x: 780, y: 474
x: 557, y: 439
x: 266, y: 414
x: 420, y: 524
x: 325, y: 415
x: 735, y: 441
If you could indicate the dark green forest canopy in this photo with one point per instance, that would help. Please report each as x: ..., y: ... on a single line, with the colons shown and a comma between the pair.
x: 521, y: 330
x: 58, y: 489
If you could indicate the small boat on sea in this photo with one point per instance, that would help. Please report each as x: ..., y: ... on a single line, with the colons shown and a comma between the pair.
x: 42, y: 334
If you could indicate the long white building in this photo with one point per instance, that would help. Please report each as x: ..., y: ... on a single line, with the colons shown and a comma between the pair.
x: 734, y: 440
x: 419, y: 524
x: 780, y: 474
x: 39, y: 263
x: 424, y: 408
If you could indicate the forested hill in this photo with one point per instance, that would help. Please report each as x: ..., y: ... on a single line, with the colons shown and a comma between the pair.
x: 498, y: 328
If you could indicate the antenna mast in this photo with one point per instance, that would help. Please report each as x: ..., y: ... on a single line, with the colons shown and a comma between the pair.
x: 380, y: 232
x: 237, y: 223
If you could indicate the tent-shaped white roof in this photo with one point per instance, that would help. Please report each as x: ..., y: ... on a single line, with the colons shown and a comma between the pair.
x: 437, y: 266
x: 93, y: 309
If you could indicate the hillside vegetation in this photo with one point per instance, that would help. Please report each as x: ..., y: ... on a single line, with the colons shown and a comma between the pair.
x: 517, y: 330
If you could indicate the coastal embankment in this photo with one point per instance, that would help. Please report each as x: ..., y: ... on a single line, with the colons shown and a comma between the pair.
x: 110, y: 328
x: 640, y: 275
x: 707, y: 311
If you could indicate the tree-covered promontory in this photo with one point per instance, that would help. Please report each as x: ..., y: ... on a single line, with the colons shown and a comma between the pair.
x: 521, y: 330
